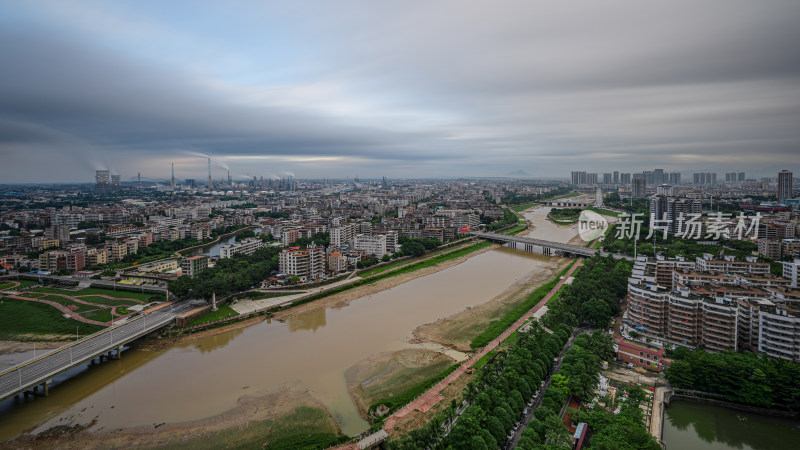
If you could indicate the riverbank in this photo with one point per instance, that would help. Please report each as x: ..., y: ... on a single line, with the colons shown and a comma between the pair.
x: 289, y: 418
x: 7, y: 347
x: 457, y: 331
x: 387, y: 374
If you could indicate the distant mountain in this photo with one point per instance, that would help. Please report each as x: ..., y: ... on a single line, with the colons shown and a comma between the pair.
x: 518, y: 173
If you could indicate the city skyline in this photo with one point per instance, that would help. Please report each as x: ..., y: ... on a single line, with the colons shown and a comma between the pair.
x: 399, y: 90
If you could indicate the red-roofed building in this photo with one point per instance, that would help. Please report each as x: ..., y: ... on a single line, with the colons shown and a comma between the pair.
x: 639, y: 355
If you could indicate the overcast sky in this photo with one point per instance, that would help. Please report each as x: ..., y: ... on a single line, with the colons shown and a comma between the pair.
x: 397, y: 88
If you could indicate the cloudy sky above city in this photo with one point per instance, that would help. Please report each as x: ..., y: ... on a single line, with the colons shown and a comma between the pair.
x: 396, y: 88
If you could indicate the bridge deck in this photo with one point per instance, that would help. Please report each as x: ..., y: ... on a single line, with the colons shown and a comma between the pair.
x: 573, y: 249
x: 39, y: 370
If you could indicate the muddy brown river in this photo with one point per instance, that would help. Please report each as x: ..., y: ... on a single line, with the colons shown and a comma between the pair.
x: 309, y: 351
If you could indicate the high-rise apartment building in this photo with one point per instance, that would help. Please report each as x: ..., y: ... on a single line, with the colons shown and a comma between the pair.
x: 308, y: 264
x: 658, y: 176
x: 371, y: 244
x: 193, y: 265
x: 578, y: 178
x: 639, y: 187
x: 784, y: 186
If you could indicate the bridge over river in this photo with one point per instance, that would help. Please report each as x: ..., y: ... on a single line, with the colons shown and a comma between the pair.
x: 29, y: 375
x: 538, y: 245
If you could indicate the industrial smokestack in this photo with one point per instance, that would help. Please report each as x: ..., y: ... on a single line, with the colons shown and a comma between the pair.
x: 173, y: 175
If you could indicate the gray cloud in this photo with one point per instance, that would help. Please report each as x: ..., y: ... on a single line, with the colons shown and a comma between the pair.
x: 448, y: 88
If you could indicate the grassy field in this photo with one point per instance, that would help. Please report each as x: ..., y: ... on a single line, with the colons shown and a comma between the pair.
x: 522, y: 207
x: 6, y: 284
x: 482, y: 362
x: 92, y: 312
x: 304, y: 429
x: 100, y: 315
x: 223, y: 312
x: 97, y: 291
x: 392, y: 266
x: 107, y: 301
x: 396, y: 401
x: 79, y: 307
x: 515, y: 230
x: 21, y: 320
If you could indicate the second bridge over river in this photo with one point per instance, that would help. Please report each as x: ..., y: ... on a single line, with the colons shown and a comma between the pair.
x: 540, y: 246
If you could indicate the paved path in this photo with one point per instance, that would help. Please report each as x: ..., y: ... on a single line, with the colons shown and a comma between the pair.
x: 430, y: 398
x: 655, y: 413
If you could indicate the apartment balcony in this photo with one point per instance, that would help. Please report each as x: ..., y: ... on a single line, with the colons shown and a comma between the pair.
x: 690, y: 335
x: 780, y: 334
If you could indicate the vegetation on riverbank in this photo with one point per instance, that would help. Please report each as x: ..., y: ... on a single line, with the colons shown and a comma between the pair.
x: 229, y: 275
x: 497, y: 327
x: 495, y: 396
x: 577, y: 376
x: 593, y: 297
x: 223, y: 312
x: 395, y: 402
x: 522, y: 207
x: 564, y: 215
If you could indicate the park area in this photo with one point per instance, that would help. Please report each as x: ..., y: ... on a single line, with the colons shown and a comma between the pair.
x: 50, y: 313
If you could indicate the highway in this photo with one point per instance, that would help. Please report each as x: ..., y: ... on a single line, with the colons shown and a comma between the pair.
x: 40, y: 370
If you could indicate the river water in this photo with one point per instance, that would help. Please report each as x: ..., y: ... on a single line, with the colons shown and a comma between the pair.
x: 309, y: 351
x: 690, y: 425
x: 213, y: 249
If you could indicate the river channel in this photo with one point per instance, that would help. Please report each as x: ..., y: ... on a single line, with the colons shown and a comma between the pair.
x: 213, y: 249
x: 690, y: 425
x: 309, y: 351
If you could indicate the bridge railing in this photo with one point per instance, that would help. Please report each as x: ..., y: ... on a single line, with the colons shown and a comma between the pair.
x: 72, y: 344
